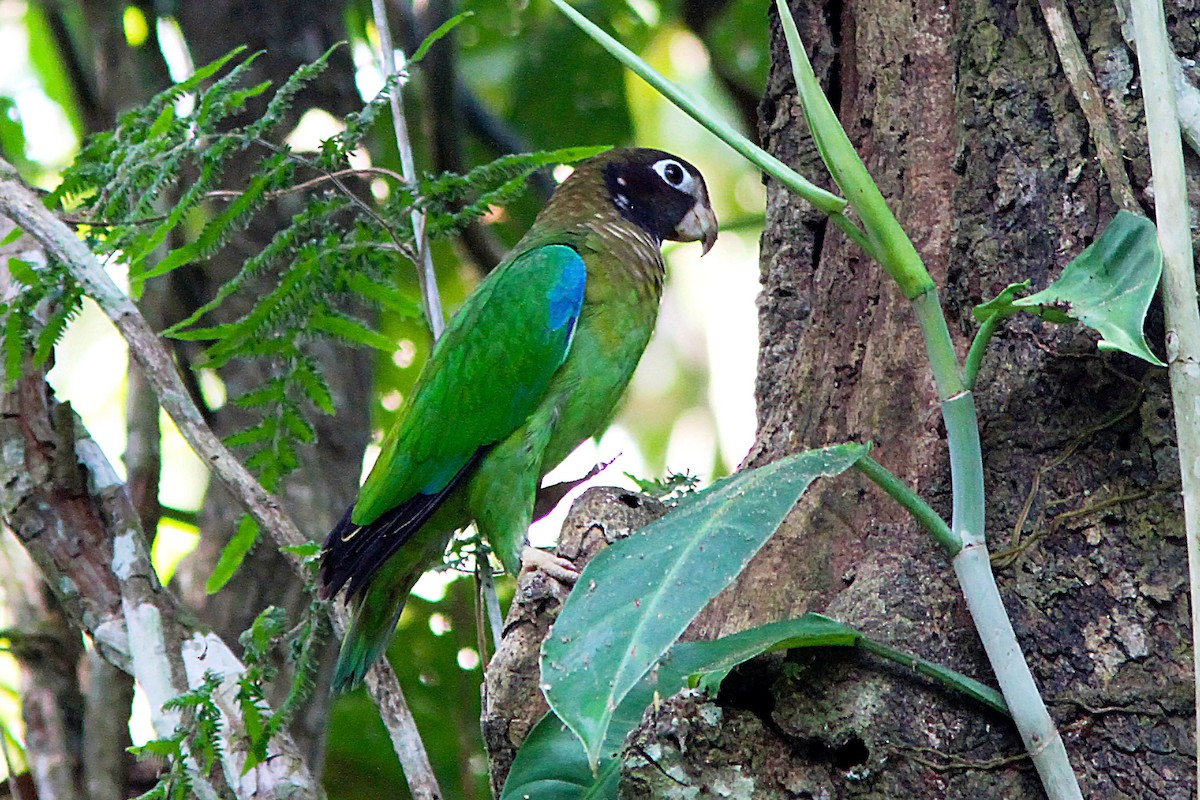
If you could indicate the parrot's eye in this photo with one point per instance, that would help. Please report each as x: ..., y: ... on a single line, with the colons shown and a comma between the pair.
x: 674, y: 174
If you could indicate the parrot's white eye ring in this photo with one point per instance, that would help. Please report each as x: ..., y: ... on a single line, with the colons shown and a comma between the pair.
x: 675, y: 175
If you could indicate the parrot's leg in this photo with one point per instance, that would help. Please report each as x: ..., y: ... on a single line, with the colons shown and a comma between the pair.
x: 562, y: 570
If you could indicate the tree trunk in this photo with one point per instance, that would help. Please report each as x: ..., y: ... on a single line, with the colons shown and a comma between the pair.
x: 962, y: 114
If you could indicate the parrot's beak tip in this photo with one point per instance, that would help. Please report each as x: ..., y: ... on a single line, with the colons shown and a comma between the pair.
x: 699, y: 225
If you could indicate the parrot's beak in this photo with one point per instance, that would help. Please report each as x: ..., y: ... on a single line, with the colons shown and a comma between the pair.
x: 698, y: 224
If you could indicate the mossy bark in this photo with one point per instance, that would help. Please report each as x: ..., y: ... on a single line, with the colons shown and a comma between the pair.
x: 961, y: 112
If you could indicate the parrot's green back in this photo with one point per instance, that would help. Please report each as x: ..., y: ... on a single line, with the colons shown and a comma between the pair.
x: 533, y: 364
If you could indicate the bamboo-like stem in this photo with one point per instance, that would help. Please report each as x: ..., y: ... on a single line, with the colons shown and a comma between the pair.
x: 430, y: 297
x: 943, y: 360
x: 826, y: 201
x: 1041, y: 738
x: 1155, y: 59
x: 899, y: 491
x: 972, y: 565
x: 900, y: 260
x: 23, y: 207
x: 979, y: 349
x: 884, y: 239
x: 966, y: 469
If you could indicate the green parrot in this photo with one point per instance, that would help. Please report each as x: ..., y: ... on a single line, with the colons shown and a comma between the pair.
x: 531, y: 365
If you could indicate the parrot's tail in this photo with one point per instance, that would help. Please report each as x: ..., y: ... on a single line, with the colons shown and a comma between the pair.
x: 375, y: 617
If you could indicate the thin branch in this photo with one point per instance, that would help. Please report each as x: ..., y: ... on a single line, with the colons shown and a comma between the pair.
x: 13, y: 784
x: 358, y: 201
x: 20, y: 204
x: 232, y: 194
x: 1155, y: 59
x: 425, y: 273
x: 1187, y: 96
x: 1087, y: 94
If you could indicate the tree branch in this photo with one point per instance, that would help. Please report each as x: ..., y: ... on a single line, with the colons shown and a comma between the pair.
x: 19, y: 203
x: 65, y: 503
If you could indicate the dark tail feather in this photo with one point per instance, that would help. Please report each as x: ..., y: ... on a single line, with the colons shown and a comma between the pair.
x: 354, y: 553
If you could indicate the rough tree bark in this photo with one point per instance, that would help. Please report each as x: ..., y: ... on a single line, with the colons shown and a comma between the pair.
x: 962, y: 114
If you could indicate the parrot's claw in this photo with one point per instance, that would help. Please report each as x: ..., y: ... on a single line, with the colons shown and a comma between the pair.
x: 535, y: 560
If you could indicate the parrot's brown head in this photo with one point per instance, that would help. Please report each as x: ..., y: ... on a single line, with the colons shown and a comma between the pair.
x: 660, y: 193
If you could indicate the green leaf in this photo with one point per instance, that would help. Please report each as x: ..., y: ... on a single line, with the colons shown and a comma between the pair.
x: 392, y: 298
x: 648, y: 587
x: 13, y: 235
x: 163, y: 123
x: 706, y: 664
x: 888, y: 243
x: 345, y: 327
x: 302, y: 550
x: 23, y: 271
x: 312, y: 382
x: 552, y: 766
x: 234, y: 554
x: 438, y: 33
x: 156, y: 747
x: 1108, y: 288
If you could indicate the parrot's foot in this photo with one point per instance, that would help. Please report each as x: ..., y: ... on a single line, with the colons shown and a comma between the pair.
x: 535, y: 560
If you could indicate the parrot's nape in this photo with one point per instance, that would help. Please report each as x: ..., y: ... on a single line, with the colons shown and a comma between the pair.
x: 532, y: 365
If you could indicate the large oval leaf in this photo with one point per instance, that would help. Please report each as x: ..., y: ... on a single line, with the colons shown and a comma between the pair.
x: 635, y: 598
x: 551, y: 764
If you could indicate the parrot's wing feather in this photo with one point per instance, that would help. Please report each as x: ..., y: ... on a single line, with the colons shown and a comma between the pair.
x: 484, y: 379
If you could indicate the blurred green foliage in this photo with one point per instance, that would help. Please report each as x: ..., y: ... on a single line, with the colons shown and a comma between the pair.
x: 551, y: 87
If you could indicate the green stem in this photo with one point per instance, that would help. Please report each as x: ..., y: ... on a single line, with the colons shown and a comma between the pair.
x: 891, y: 246
x: 972, y: 688
x: 912, y: 502
x: 979, y: 348
x: 966, y: 468
x: 943, y: 359
x: 826, y: 201
x: 1042, y: 740
x: 856, y: 234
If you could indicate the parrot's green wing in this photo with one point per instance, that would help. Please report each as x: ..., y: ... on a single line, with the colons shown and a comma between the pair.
x: 485, y: 377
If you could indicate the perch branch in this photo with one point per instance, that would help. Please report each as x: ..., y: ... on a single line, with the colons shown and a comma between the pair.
x: 65, y: 503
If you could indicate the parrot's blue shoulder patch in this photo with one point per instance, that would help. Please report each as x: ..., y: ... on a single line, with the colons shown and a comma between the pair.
x: 566, y: 295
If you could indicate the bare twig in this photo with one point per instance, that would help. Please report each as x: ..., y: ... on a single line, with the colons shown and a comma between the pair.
x: 1087, y: 94
x: 1187, y: 96
x: 13, y: 784
x: 20, y: 204
x: 425, y: 273
x: 1155, y: 59
x: 232, y: 194
x: 108, y: 696
x: 491, y: 601
x: 355, y: 199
